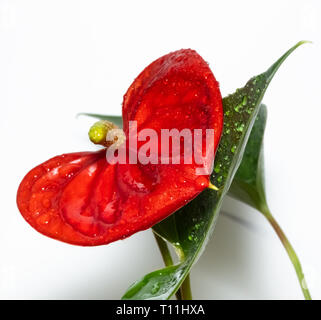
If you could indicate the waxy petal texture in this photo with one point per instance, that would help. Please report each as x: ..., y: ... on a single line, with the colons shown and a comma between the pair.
x: 82, y: 199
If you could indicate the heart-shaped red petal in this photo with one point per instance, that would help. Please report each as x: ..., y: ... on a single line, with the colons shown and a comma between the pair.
x: 82, y: 199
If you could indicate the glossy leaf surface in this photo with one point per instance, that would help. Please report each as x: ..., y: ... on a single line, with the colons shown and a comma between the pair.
x: 248, y: 184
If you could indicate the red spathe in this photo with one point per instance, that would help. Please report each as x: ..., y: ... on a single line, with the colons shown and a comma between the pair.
x: 81, y: 199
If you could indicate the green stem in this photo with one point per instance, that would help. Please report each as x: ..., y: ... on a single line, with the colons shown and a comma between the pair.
x: 184, y: 292
x: 290, y: 251
x: 166, y: 255
x: 163, y: 248
x: 185, y: 289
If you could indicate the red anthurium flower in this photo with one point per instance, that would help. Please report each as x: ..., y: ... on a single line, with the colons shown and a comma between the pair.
x: 82, y: 199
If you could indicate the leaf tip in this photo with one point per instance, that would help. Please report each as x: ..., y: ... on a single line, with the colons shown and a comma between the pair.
x: 212, y: 186
x: 79, y: 114
x: 303, y: 42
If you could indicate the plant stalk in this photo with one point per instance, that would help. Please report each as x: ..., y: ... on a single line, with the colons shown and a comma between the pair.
x: 163, y: 248
x: 185, y: 289
x: 290, y: 251
x: 184, y: 292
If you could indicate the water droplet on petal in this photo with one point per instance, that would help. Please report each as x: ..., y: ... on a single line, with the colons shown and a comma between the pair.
x: 43, y: 219
x: 46, y: 203
x: 201, y: 182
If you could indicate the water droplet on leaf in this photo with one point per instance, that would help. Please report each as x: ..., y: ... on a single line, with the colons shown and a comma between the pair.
x: 155, y: 288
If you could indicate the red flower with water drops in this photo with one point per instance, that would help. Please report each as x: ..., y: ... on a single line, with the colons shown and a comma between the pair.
x: 82, y: 199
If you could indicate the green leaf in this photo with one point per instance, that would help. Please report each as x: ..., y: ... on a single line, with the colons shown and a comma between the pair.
x: 248, y: 184
x: 189, y: 229
x: 117, y: 120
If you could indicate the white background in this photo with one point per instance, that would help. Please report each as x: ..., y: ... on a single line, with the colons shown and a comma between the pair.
x: 59, y: 58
